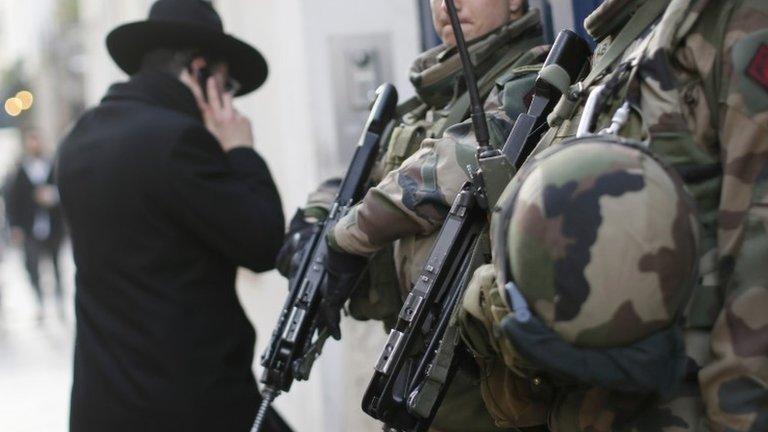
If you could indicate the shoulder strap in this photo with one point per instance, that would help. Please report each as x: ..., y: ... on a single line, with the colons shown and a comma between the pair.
x: 460, y: 109
x: 409, y: 105
x: 640, y: 21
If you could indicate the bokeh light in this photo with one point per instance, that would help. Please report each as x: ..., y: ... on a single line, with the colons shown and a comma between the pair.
x: 26, y: 98
x: 14, y: 106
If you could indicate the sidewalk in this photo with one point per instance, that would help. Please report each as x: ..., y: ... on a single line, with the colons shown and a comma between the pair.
x: 35, y: 355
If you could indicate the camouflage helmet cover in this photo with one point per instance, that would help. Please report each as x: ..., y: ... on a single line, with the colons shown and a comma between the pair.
x: 601, y: 239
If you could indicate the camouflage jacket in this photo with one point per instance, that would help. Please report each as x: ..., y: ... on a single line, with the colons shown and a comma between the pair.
x: 441, y: 99
x: 410, y: 203
x: 697, y: 86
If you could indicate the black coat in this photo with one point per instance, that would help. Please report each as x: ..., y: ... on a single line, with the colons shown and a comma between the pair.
x: 160, y: 219
x: 21, y: 207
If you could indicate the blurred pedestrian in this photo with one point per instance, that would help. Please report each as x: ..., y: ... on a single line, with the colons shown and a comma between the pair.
x: 5, y: 236
x: 165, y: 198
x: 34, y: 215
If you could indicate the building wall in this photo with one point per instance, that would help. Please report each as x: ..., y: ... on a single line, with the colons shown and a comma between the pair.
x: 23, y: 27
x: 97, y: 18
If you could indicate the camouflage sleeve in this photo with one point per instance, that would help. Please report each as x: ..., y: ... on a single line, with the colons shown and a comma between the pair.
x: 735, y: 383
x: 415, y: 198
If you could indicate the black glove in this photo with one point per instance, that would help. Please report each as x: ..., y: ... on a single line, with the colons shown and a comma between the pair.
x: 294, y: 245
x: 343, y: 272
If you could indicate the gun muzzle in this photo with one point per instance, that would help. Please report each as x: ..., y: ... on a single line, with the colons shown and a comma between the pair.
x: 565, y: 63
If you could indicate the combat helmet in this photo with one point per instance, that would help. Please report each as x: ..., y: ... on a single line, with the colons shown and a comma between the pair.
x: 597, y: 240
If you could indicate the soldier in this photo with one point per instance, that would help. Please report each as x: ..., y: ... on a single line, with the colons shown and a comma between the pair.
x: 421, y: 172
x: 688, y: 81
x: 506, y: 34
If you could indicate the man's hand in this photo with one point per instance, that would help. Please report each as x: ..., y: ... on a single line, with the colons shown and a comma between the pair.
x: 230, y: 128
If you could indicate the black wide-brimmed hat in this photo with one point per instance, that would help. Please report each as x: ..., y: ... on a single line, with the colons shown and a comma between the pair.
x: 187, y: 24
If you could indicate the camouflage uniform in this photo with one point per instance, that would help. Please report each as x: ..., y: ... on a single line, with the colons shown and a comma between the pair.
x: 407, y: 207
x: 697, y: 87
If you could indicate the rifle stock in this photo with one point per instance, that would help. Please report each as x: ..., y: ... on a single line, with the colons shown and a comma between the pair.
x: 406, y: 358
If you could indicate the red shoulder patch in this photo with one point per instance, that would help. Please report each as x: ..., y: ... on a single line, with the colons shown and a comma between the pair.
x: 758, y: 66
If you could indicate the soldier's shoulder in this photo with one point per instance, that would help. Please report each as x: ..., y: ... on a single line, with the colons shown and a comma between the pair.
x: 746, y: 48
x: 729, y: 47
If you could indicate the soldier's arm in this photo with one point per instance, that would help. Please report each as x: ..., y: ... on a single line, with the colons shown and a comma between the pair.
x: 411, y: 200
x: 415, y: 198
x: 735, y: 383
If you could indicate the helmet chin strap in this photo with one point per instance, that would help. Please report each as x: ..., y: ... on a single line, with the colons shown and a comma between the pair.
x: 655, y: 365
x: 517, y: 302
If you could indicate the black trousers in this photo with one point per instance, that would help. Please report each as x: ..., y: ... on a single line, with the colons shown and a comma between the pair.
x: 86, y: 419
x: 34, y: 250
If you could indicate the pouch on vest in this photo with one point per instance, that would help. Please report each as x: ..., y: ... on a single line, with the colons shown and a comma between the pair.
x: 405, y: 140
x: 514, y: 393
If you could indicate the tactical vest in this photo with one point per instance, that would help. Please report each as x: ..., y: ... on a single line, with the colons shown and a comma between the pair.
x: 441, y: 99
x: 622, y: 94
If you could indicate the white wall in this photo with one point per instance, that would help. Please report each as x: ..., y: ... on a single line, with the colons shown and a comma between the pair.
x: 23, y: 27
x: 98, y: 17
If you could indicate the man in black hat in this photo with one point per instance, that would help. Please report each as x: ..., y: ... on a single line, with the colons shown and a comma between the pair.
x: 166, y: 197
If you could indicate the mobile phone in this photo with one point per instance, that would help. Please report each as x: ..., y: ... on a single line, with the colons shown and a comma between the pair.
x: 202, y: 76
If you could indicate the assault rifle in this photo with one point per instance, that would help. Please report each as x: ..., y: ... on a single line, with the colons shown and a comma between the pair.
x: 423, y: 350
x: 298, y: 338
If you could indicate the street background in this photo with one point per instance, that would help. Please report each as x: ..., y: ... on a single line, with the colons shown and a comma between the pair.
x: 325, y: 57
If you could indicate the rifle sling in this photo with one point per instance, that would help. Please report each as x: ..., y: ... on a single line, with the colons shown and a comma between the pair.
x: 409, y: 105
x: 640, y: 21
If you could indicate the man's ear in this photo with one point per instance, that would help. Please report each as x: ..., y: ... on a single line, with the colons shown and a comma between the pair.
x: 517, y: 8
x: 197, y: 64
